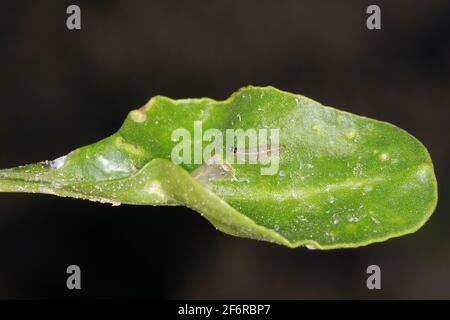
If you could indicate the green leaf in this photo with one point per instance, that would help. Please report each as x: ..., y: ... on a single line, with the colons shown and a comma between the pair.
x: 342, y: 180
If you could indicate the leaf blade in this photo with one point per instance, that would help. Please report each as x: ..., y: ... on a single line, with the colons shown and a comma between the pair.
x: 344, y: 180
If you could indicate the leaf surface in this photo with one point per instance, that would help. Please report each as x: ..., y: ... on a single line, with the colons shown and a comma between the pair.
x: 342, y: 181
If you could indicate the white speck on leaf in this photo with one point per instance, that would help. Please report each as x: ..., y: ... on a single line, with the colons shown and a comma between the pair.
x: 422, y: 175
x: 375, y: 220
x: 351, y: 134
x: 334, y: 219
x: 358, y: 169
x: 384, y: 156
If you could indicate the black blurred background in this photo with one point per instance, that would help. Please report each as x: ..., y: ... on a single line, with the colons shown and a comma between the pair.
x: 62, y: 89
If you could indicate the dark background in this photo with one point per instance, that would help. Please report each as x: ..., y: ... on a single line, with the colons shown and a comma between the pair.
x: 62, y: 89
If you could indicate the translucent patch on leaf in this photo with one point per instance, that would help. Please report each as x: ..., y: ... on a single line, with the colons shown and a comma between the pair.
x: 58, y: 163
x: 138, y: 116
x: 130, y: 148
x: 422, y: 175
x: 110, y: 166
x: 212, y: 171
x: 155, y: 189
x: 47, y: 191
